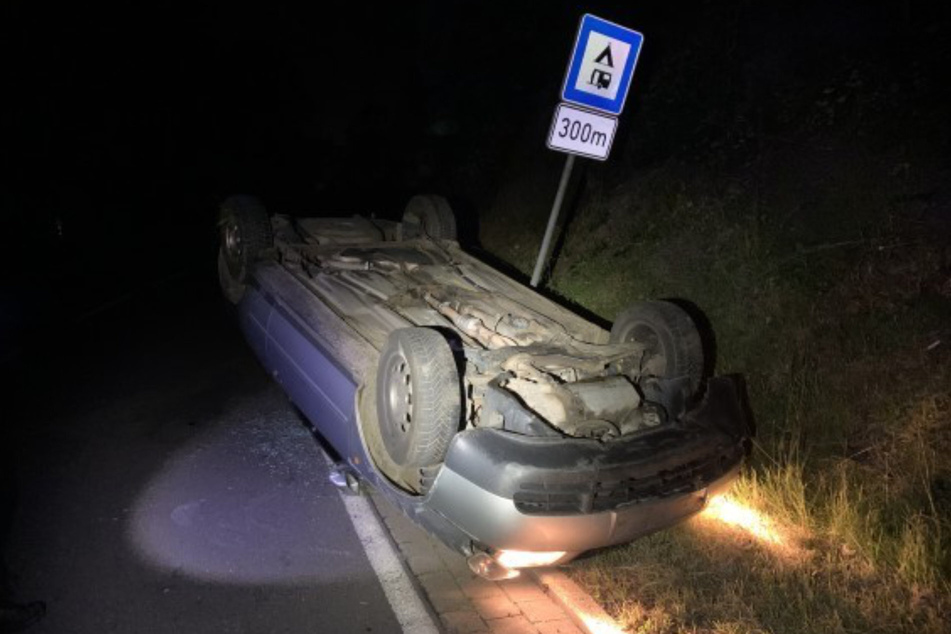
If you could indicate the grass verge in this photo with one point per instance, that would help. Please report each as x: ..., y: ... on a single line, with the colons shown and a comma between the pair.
x: 841, y: 324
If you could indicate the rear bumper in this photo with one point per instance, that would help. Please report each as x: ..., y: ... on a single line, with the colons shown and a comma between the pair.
x: 515, y: 492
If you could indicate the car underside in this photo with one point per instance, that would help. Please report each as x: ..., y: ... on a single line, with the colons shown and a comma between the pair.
x: 496, y: 417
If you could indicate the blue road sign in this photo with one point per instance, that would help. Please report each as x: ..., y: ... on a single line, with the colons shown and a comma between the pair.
x: 602, y: 65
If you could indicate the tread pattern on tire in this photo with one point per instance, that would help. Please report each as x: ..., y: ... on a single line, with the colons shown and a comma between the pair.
x: 686, y: 344
x: 437, y: 408
x: 433, y: 215
x: 250, y: 215
x: 255, y: 224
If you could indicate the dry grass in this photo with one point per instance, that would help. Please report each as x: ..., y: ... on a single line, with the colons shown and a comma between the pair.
x: 851, y: 394
x: 807, y: 215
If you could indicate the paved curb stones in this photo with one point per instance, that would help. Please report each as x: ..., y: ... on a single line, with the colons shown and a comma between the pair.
x: 542, y: 601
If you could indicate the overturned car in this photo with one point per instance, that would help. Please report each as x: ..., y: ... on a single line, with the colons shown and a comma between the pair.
x: 514, y: 430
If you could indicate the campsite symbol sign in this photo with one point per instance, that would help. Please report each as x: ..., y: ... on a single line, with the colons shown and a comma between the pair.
x: 599, y: 74
x: 602, y: 65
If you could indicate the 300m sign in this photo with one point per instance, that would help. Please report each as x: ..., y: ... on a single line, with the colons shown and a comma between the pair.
x: 582, y: 132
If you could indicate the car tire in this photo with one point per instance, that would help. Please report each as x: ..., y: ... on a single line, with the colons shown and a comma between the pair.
x: 429, y: 215
x: 673, y: 347
x: 245, y: 235
x: 419, y: 404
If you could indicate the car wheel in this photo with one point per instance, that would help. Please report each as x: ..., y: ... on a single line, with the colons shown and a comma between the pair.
x: 245, y: 234
x: 673, y: 347
x: 418, y: 399
x: 429, y: 215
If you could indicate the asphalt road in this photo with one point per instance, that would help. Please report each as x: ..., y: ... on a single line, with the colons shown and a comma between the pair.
x: 164, y: 484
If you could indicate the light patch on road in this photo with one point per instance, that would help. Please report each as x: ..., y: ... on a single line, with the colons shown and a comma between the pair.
x: 400, y: 592
x: 243, y: 504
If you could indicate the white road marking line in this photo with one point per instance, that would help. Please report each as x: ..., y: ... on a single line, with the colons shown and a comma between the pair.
x: 399, y: 590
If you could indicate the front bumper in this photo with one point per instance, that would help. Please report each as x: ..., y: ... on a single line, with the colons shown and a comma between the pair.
x: 510, y: 491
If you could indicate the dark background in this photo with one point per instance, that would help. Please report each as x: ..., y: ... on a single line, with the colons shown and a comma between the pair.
x: 124, y: 126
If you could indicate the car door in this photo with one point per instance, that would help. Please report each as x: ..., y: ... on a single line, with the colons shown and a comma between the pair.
x: 314, y: 382
x: 253, y: 313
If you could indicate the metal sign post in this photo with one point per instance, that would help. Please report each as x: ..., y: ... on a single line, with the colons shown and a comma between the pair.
x: 599, y: 75
x: 552, y: 220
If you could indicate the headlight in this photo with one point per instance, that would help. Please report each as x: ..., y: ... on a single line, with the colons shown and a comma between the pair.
x: 528, y: 558
x: 504, y: 564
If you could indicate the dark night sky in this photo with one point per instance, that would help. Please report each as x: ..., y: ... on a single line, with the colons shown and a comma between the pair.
x: 124, y: 125
x: 148, y: 117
